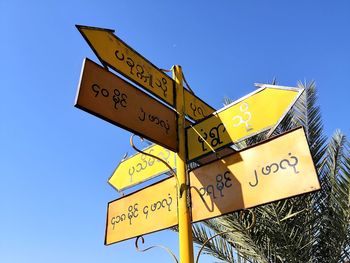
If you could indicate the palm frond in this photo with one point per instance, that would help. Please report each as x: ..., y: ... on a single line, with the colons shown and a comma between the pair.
x: 334, y: 204
x: 307, y: 114
x: 227, y: 101
x: 234, y: 243
x: 217, y: 248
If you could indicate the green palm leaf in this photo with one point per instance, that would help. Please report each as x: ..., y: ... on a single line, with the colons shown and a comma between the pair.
x: 334, y: 205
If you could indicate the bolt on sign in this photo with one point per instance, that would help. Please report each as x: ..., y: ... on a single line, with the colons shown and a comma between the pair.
x: 275, y: 169
x: 107, y: 96
x: 257, y: 112
x: 140, y: 167
x: 116, y: 54
x: 148, y: 210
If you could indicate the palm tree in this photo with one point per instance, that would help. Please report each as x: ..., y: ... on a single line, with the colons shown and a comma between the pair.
x: 310, y: 228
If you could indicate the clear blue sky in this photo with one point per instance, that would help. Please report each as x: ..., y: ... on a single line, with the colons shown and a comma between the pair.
x: 56, y: 159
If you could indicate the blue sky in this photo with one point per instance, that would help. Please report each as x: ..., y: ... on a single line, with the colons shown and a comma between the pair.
x: 56, y: 159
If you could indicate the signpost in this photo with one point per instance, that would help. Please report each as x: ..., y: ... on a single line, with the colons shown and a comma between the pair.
x: 275, y: 169
x: 250, y: 115
x: 140, y: 167
x: 185, y: 227
x: 151, y: 209
x: 116, y: 54
x: 107, y: 96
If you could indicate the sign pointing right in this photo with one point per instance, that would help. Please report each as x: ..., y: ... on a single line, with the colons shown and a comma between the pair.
x: 259, y: 111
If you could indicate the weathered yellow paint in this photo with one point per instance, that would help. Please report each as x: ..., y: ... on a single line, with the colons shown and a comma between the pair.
x: 275, y: 169
x: 253, y: 114
x: 140, y: 167
x: 151, y: 209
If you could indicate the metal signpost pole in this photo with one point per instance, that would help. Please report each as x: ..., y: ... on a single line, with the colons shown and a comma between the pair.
x: 185, y: 227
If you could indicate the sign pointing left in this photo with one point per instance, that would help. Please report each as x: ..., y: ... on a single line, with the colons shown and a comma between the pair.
x: 114, y: 53
x: 148, y: 210
x: 107, y: 96
x: 140, y: 167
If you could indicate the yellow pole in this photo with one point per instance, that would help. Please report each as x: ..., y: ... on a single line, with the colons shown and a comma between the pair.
x: 185, y: 227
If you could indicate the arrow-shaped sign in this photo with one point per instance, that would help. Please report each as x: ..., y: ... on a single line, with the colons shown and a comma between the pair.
x: 140, y: 167
x: 258, y: 111
x: 116, y: 54
x: 148, y: 210
x: 278, y: 168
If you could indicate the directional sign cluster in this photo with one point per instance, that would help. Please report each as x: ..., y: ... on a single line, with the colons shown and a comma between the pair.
x: 226, y: 180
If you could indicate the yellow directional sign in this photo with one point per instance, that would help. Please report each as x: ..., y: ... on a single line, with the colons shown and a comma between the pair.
x: 252, y: 114
x: 151, y: 209
x: 140, y: 167
x: 195, y: 108
x: 275, y: 169
x: 116, y: 54
x: 122, y: 58
x: 109, y: 97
